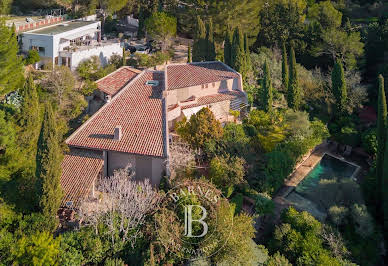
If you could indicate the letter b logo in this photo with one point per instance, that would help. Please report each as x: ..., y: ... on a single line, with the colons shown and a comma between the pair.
x: 189, y: 221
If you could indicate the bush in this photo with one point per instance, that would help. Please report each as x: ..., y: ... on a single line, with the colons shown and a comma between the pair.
x: 369, y: 141
x: 114, y: 262
x: 237, y: 200
x: 362, y: 220
x: 32, y: 57
x: 338, y: 214
x: 264, y: 204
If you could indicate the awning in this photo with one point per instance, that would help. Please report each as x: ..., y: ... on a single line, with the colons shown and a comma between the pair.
x: 191, y: 111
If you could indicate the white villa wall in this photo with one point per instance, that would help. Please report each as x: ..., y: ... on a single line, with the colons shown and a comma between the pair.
x: 51, y: 43
x: 104, y: 52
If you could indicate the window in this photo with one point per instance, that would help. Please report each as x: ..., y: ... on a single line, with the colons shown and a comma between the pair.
x: 202, y: 86
x: 41, y: 50
x: 206, y: 86
x: 214, y: 84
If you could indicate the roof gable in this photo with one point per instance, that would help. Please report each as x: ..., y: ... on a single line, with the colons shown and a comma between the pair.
x: 194, y: 74
x: 115, y: 81
x: 140, y: 110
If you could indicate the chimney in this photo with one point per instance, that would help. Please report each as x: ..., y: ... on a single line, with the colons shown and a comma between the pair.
x: 118, y: 133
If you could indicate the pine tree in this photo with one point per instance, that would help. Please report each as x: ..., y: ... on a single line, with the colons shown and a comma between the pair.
x: 228, y: 47
x: 124, y: 63
x: 11, y: 65
x: 238, y: 52
x: 284, y: 68
x: 199, y: 46
x: 210, y: 45
x: 48, y: 165
x: 293, y: 94
x: 189, y: 54
x: 140, y: 29
x: 29, y: 117
x: 382, y: 137
x: 248, y: 62
x: 266, y: 89
x: 339, y: 87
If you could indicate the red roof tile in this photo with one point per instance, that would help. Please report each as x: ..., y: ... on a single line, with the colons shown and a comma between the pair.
x: 219, y: 97
x: 187, y: 75
x: 140, y: 111
x: 79, y: 169
x: 116, y: 80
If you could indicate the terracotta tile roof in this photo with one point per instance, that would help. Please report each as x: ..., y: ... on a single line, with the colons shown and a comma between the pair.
x: 214, y: 98
x: 140, y: 111
x: 79, y: 169
x: 187, y: 75
x: 115, y: 81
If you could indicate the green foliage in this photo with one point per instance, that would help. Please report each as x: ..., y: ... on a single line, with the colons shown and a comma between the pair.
x: 48, y: 169
x: 237, y: 200
x: 382, y: 133
x: 264, y: 204
x: 299, y: 239
x: 278, y: 259
x: 29, y: 117
x: 5, y: 6
x: 114, y: 262
x: 338, y: 214
x: 200, y: 129
x: 81, y: 247
x: 281, y: 21
x: 248, y: 61
x: 225, y: 172
x: 238, y: 248
x: 269, y: 129
x: 228, y: 48
x: 37, y: 249
x: 294, y: 93
x: 189, y: 58
x: 158, y: 58
x: 284, y: 68
x: 238, y: 57
x: 339, y: 87
x: 369, y: 141
x: 32, y: 57
x: 200, y: 45
x: 363, y: 221
x: 266, y: 91
x: 11, y: 65
x: 325, y: 14
x: 210, y: 44
x: 161, y: 27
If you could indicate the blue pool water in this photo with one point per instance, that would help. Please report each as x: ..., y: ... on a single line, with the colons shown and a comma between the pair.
x: 328, y: 168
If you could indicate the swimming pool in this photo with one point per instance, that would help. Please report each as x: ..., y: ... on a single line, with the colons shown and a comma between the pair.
x: 329, y: 167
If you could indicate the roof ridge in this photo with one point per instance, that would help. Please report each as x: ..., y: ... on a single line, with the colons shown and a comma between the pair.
x: 105, y: 106
x: 138, y: 71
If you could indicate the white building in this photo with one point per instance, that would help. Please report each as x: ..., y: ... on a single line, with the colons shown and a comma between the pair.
x: 70, y: 43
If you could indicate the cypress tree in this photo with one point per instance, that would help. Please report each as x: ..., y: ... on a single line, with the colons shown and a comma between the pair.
x: 382, y: 127
x: 199, y: 46
x: 248, y: 62
x: 228, y: 47
x: 189, y: 54
x: 29, y: 118
x: 339, y: 87
x: 48, y: 165
x: 284, y: 68
x: 293, y: 94
x: 266, y: 88
x: 11, y: 65
x: 140, y: 29
x: 124, y: 63
x: 210, y: 45
x: 238, y: 53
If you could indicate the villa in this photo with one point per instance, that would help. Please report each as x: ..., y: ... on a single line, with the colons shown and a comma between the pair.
x: 69, y: 43
x: 139, y: 112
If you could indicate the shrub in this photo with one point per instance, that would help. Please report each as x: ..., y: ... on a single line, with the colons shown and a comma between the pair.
x: 338, y: 214
x: 369, y: 141
x: 362, y: 220
x: 237, y: 200
x: 32, y: 57
x: 264, y: 204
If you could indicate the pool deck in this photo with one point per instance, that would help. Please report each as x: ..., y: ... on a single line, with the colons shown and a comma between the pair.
x: 308, y: 162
